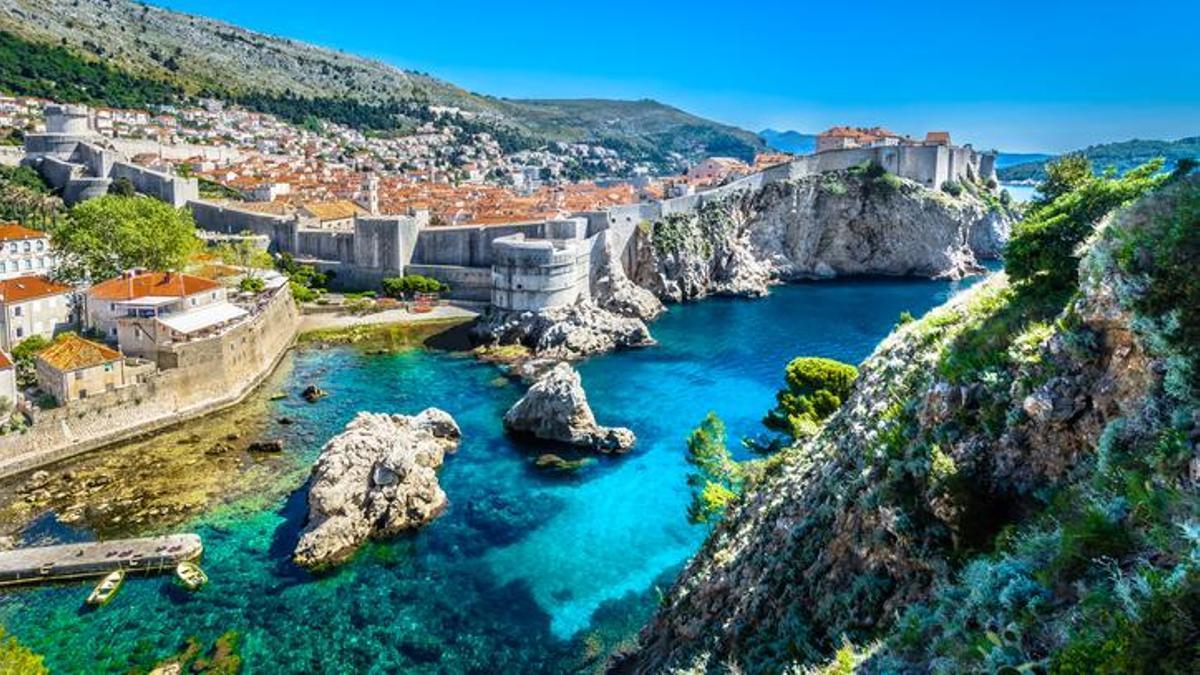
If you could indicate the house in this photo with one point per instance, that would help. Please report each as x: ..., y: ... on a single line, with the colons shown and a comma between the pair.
x: 334, y: 215
x: 34, y: 305
x: 716, y: 169
x: 8, y: 385
x: 24, y: 251
x: 842, y: 138
x: 146, y: 295
x: 74, y: 368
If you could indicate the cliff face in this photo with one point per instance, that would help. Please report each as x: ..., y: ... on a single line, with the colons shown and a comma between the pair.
x: 1013, y: 481
x: 840, y: 223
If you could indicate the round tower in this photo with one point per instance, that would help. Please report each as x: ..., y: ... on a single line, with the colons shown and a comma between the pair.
x: 72, y: 120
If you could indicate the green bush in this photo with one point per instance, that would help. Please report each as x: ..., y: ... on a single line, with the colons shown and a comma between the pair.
x: 398, y: 287
x: 815, y: 389
x: 720, y: 479
x: 952, y: 188
x: 303, y: 293
x: 252, y: 285
x: 1043, y: 247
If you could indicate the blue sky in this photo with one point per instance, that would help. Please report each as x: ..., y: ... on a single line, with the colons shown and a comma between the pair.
x: 1019, y: 76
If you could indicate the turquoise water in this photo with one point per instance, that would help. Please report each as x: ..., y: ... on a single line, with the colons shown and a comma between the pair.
x: 527, y: 571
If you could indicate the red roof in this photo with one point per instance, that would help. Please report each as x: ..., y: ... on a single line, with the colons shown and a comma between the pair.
x: 12, y: 231
x: 164, y: 284
x: 20, y: 289
x: 71, y: 352
x: 5, y: 362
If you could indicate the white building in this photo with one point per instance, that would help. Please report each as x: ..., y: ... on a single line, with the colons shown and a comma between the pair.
x: 33, y: 305
x: 146, y: 295
x: 24, y: 251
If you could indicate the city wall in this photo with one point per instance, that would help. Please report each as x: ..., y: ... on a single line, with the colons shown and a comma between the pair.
x: 211, y: 374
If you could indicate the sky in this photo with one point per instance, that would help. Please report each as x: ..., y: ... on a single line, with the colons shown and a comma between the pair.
x: 1019, y: 76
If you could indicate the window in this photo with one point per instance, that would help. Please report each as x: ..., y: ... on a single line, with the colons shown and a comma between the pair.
x: 79, y: 375
x: 17, y: 310
x: 20, y: 332
x: 28, y: 246
x: 41, y: 245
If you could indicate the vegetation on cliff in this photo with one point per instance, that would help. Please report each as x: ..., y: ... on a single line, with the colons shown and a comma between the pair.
x: 16, y: 659
x: 1121, y: 156
x: 1011, y: 483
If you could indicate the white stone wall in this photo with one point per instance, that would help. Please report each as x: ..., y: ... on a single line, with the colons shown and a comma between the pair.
x: 21, y: 257
x: 41, y: 316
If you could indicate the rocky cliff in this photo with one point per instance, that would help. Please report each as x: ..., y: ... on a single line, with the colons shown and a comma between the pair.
x: 840, y: 223
x: 375, y: 479
x: 1012, y: 484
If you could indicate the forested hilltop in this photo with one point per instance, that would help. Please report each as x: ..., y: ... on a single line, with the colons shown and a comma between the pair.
x: 1121, y: 156
x: 1009, y: 484
x: 123, y: 53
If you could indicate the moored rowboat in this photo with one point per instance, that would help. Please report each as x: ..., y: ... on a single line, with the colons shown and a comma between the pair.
x: 190, y: 575
x: 106, y: 589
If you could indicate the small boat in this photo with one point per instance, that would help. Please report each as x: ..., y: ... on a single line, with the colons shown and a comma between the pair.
x: 106, y: 589
x: 190, y: 575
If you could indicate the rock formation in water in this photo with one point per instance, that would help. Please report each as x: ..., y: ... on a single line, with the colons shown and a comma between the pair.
x: 1014, y: 480
x: 833, y: 224
x: 563, y: 333
x: 556, y: 409
x: 375, y: 479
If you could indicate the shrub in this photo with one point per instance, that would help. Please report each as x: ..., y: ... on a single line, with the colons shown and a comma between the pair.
x: 252, y: 285
x: 16, y: 658
x: 397, y: 287
x: 1044, y: 245
x: 815, y: 389
x: 303, y: 293
x: 122, y: 187
x: 952, y: 188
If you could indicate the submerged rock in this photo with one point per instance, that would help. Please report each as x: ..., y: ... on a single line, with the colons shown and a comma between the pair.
x: 312, y: 393
x: 375, y: 479
x: 274, y: 445
x: 556, y: 409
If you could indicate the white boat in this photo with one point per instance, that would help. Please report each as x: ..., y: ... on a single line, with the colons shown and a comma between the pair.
x: 190, y: 575
x: 107, y: 588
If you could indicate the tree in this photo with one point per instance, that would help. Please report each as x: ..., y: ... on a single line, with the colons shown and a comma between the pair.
x: 397, y: 287
x: 122, y: 187
x: 1063, y: 175
x: 1043, y: 247
x: 23, y: 358
x: 104, y: 236
x: 815, y: 390
x: 720, y: 479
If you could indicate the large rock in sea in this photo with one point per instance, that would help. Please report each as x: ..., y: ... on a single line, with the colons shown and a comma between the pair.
x: 375, y: 479
x: 556, y: 409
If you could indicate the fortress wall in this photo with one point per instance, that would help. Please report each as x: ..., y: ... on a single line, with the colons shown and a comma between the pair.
x: 466, y: 245
x: 131, y: 147
x: 540, y: 274
x: 174, y: 190
x: 466, y: 283
x: 58, y: 172
x: 83, y: 189
x: 62, y: 145
x: 99, y: 162
x: 282, y: 231
x: 213, y: 374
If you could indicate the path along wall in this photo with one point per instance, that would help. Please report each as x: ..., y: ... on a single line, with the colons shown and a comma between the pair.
x: 212, y: 374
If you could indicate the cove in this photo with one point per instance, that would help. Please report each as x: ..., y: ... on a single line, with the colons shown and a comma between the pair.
x: 527, y: 571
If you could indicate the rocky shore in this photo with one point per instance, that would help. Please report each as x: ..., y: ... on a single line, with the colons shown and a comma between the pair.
x: 556, y: 409
x: 375, y: 479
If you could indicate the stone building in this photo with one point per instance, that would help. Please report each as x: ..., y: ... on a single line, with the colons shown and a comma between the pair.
x: 716, y: 169
x: 34, y: 305
x: 8, y: 386
x: 24, y: 251
x: 146, y: 295
x: 536, y: 274
x: 74, y: 368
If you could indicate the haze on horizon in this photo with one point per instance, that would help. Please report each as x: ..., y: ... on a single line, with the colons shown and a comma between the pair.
x: 1020, y: 76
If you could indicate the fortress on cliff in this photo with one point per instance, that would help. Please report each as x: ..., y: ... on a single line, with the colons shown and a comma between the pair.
x: 526, y: 266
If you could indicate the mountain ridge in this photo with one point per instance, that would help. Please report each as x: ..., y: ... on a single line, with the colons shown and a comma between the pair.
x: 189, y: 51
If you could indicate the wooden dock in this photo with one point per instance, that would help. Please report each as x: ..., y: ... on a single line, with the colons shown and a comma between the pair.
x: 150, y: 555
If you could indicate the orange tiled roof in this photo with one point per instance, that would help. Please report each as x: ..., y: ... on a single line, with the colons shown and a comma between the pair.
x: 72, y: 352
x: 335, y: 210
x: 9, y: 231
x: 169, y: 284
x: 5, y: 362
x: 20, y: 289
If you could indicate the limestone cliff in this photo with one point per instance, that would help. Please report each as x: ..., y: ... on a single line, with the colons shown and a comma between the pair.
x: 833, y: 224
x: 375, y: 479
x: 1012, y: 483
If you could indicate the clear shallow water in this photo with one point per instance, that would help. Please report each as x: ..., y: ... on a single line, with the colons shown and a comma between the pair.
x: 527, y: 571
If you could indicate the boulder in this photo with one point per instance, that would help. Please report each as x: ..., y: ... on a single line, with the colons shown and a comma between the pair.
x: 556, y: 409
x: 312, y: 393
x: 274, y: 445
x: 374, y: 480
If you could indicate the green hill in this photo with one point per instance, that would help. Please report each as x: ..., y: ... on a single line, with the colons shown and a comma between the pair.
x: 1122, y: 156
x: 124, y: 53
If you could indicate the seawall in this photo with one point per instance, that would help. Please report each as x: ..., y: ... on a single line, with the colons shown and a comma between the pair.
x: 212, y: 374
